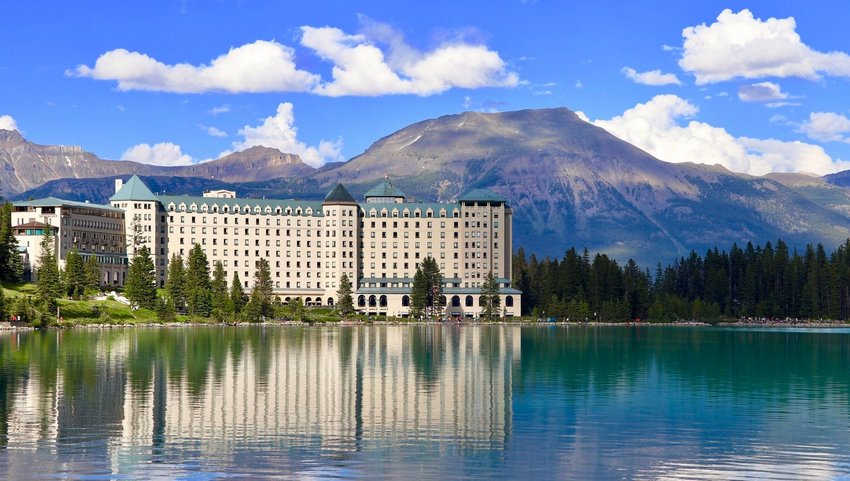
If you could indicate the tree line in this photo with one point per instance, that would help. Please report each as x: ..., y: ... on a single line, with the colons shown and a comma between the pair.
x: 771, y: 281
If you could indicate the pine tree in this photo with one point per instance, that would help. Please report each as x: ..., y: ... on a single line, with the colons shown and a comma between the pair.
x: 418, y: 294
x: 49, y: 282
x: 345, y: 303
x: 260, y: 304
x: 74, y: 275
x: 197, y: 281
x: 140, y: 287
x: 11, y: 267
x: 295, y: 310
x: 176, y: 283
x: 91, y: 272
x: 489, y: 298
x: 165, y: 311
x: 220, y: 297
x: 237, y: 295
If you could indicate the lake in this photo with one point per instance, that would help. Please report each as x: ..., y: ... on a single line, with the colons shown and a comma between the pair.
x: 425, y: 402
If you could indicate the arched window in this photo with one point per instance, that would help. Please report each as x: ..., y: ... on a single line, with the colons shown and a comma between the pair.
x: 318, y: 302
x: 308, y: 301
x: 372, y: 301
x: 468, y: 301
x: 455, y: 301
x: 509, y: 301
x: 383, y: 301
x: 286, y: 301
x: 361, y: 301
x: 405, y: 301
x: 330, y: 301
x: 481, y: 301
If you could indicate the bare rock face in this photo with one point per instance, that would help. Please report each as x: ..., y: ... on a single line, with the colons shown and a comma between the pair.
x: 25, y: 165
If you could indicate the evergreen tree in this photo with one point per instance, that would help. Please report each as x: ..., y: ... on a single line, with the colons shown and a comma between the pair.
x: 198, y: 282
x: 345, y: 302
x: 91, y: 273
x: 418, y: 294
x: 176, y: 283
x: 220, y: 297
x: 431, y: 284
x: 237, y: 295
x: 4, y: 307
x: 165, y: 310
x: 49, y: 281
x: 140, y: 287
x: 74, y: 275
x: 11, y: 266
x: 259, y: 305
x: 489, y: 298
x: 295, y: 310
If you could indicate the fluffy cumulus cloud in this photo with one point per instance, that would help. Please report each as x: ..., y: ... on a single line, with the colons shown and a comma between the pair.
x: 279, y: 132
x: 8, y: 123
x: 664, y: 127
x: 740, y: 45
x: 827, y: 127
x: 164, y: 153
x: 362, y: 67
x: 262, y: 66
x: 377, y: 61
x: 761, y: 92
x: 652, y: 77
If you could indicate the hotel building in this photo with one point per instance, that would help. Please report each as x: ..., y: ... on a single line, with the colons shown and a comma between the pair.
x: 309, y: 245
x: 92, y: 229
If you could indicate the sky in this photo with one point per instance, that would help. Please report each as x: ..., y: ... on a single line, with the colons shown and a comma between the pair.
x: 758, y: 87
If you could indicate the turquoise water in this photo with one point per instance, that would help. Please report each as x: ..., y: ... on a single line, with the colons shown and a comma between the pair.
x: 425, y: 402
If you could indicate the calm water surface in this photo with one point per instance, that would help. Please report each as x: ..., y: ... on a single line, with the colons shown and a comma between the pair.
x: 425, y: 402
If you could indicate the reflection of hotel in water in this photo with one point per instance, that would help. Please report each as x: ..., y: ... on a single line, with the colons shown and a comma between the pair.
x: 342, y: 386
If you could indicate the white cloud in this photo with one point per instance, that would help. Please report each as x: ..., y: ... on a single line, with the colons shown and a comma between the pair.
x: 279, y: 132
x: 221, y: 109
x: 214, y: 132
x: 262, y: 66
x: 8, y: 123
x: 651, y: 77
x: 656, y: 127
x: 361, y: 67
x: 164, y: 153
x: 375, y: 62
x: 761, y: 92
x: 827, y: 127
x: 578, y: 84
x: 739, y: 45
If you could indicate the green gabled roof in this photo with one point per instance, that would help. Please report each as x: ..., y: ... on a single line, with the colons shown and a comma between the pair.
x: 338, y: 195
x: 481, y: 195
x: 384, y: 189
x: 134, y: 189
x: 56, y: 202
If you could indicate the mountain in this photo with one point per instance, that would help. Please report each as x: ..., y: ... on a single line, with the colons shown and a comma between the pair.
x: 572, y: 183
x: 569, y: 183
x: 25, y: 165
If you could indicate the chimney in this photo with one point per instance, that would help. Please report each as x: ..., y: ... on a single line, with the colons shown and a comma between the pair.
x: 118, y: 184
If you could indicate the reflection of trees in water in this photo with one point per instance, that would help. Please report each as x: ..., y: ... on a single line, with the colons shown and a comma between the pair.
x: 427, y: 352
x: 717, y: 360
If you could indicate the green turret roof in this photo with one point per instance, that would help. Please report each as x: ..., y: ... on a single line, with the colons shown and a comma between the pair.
x: 384, y: 189
x: 481, y: 195
x: 134, y: 189
x: 339, y: 195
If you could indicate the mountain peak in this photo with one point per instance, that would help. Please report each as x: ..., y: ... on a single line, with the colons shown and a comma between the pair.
x: 11, y: 137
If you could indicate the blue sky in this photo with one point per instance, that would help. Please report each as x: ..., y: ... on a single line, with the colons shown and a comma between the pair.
x: 755, y: 86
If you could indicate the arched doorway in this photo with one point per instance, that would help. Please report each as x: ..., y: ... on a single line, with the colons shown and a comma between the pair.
x: 405, y: 301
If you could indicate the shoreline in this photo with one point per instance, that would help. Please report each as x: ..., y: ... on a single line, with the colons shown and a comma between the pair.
x: 6, y: 326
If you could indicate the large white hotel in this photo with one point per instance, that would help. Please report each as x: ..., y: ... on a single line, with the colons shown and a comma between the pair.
x: 309, y: 245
